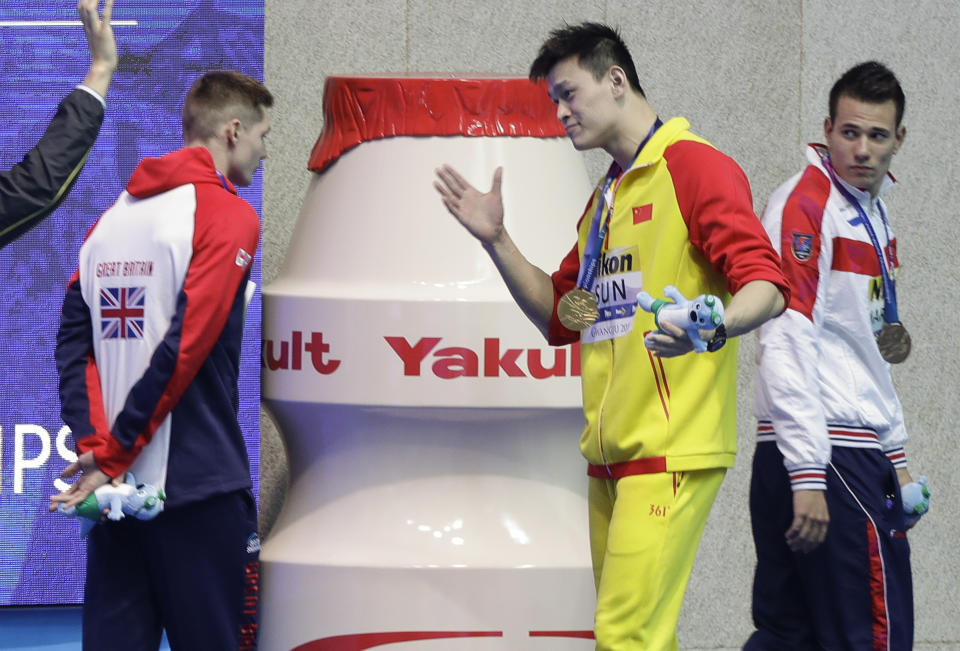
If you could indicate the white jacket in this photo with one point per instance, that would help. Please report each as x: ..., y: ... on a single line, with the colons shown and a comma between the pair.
x: 821, y: 380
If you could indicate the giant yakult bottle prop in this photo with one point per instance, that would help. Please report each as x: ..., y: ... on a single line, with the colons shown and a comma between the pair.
x: 437, y: 494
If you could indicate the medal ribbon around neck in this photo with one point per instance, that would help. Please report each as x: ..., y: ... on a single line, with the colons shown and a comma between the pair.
x: 890, y: 313
x: 893, y: 340
x: 577, y: 309
x: 598, y: 230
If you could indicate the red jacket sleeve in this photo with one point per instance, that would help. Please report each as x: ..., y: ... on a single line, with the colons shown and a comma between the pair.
x: 33, y: 188
x: 81, y: 401
x: 715, y: 200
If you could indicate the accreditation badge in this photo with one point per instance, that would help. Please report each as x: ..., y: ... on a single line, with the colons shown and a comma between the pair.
x: 615, y: 290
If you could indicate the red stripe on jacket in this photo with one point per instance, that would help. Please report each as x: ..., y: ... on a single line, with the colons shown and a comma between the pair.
x: 714, y: 198
x: 860, y: 257
x: 803, y: 217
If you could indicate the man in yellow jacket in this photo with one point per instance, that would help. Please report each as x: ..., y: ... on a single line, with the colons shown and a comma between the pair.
x: 660, y: 423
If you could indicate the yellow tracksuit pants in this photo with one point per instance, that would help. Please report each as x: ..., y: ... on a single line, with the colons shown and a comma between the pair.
x: 644, y: 532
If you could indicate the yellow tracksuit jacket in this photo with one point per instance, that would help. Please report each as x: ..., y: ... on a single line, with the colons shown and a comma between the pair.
x: 682, y: 215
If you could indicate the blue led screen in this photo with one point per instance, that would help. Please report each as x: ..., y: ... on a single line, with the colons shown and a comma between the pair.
x: 163, y: 47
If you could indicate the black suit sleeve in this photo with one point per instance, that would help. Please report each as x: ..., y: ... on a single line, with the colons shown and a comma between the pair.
x: 36, y: 186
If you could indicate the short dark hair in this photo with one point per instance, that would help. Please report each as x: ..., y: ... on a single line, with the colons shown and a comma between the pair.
x: 217, y: 92
x: 869, y: 82
x: 596, y: 46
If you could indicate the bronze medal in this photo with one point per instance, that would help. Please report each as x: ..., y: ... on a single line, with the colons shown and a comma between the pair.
x: 577, y: 309
x: 894, y: 342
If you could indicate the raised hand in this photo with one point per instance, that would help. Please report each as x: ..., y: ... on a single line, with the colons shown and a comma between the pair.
x: 481, y: 214
x: 103, y: 46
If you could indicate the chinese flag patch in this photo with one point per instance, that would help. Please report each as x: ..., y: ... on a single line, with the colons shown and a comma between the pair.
x: 642, y: 213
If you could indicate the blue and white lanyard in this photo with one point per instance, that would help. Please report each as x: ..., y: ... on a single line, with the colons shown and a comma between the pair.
x: 598, y: 230
x: 890, y: 314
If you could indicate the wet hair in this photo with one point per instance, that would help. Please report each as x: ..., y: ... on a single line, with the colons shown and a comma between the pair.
x: 222, y: 95
x: 596, y: 46
x: 869, y: 82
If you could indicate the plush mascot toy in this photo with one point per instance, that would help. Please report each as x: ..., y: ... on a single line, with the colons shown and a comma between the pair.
x: 141, y: 501
x: 916, y: 499
x: 705, y: 312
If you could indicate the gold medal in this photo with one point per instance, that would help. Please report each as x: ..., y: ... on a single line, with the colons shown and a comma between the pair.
x: 577, y: 309
x: 894, y: 342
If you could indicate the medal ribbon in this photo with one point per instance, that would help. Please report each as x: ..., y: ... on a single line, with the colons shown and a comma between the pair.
x: 890, y: 314
x: 598, y: 230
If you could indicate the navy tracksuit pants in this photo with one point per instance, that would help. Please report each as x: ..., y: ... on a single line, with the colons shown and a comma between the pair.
x: 193, y: 571
x: 854, y: 592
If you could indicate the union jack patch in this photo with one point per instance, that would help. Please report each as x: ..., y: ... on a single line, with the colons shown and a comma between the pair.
x: 802, y: 246
x: 121, y: 312
x: 243, y: 259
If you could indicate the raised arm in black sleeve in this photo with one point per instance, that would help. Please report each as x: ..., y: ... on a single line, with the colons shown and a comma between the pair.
x: 34, y: 187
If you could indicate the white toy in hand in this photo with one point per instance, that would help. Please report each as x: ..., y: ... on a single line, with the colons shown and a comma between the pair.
x: 916, y: 499
x: 142, y: 501
x: 705, y: 312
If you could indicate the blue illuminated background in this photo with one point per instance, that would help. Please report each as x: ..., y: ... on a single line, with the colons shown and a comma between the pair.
x: 163, y: 47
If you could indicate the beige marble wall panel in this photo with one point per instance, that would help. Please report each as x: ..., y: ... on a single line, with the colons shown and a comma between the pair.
x: 487, y: 36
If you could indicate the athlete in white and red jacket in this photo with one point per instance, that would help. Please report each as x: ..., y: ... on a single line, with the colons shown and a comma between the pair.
x: 833, y: 561
x: 821, y: 379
